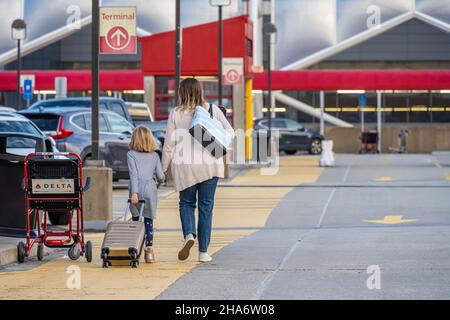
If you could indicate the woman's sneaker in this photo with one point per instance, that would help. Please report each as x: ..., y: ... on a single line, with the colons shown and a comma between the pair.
x: 183, y: 254
x: 149, y: 256
x: 204, y: 257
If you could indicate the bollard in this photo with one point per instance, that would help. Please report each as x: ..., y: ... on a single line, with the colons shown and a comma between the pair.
x: 97, y: 202
x: 327, y: 156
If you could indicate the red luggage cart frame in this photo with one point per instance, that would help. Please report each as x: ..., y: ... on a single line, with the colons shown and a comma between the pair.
x: 73, y: 239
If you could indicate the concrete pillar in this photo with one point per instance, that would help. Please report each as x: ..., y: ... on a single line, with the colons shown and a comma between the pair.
x: 60, y: 87
x: 379, y: 119
x: 149, y: 93
x: 322, y: 113
x: 97, y: 204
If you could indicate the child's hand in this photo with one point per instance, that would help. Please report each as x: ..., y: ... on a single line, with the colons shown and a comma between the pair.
x: 134, y: 198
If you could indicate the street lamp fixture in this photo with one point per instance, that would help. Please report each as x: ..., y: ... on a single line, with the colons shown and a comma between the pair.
x: 268, y: 30
x: 19, y: 33
x: 220, y: 4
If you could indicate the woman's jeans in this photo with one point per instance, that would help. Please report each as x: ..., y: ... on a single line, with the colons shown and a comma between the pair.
x: 188, y: 202
x: 148, y: 230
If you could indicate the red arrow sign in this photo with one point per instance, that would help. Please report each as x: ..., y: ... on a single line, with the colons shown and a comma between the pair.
x: 118, y: 30
x: 118, y: 38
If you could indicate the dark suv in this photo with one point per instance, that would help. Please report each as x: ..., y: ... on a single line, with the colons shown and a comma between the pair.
x: 105, y: 103
x: 71, y: 129
x: 293, y: 135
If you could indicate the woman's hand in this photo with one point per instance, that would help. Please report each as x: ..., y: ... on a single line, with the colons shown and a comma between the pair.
x: 134, y: 198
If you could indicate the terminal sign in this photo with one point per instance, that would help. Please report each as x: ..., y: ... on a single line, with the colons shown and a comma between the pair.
x: 232, y: 71
x: 118, y: 30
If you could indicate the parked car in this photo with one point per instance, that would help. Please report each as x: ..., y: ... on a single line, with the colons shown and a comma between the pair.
x: 141, y: 115
x: 11, y: 123
x: 71, y: 128
x: 293, y: 135
x: 139, y: 112
x: 19, y: 134
x: 105, y: 103
x: 7, y: 109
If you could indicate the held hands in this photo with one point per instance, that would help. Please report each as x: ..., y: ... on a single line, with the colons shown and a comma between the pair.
x: 134, y: 198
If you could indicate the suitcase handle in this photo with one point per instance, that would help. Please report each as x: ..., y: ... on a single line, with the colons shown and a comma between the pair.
x: 128, y: 208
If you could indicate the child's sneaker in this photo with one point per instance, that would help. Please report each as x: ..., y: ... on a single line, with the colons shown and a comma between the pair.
x: 183, y: 254
x: 149, y: 256
x: 204, y: 257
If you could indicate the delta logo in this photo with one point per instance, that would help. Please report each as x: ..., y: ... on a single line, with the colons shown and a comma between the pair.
x: 55, y: 186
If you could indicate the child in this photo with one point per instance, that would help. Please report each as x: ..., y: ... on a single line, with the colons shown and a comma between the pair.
x: 143, y: 165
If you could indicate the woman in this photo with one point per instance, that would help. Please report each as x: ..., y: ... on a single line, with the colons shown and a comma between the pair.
x: 194, y: 170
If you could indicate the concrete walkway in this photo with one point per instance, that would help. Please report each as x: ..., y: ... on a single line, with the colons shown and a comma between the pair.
x: 373, y: 227
x: 242, y: 208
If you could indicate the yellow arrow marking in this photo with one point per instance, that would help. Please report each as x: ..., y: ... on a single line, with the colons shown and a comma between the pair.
x: 384, y: 179
x: 392, y: 220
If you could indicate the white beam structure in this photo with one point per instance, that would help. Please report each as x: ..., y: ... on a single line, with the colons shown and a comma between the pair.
x: 303, y: 107
x: 53, y: 37
x: 413, y: 13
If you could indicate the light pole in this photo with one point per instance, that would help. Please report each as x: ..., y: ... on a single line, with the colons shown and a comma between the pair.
x: 220, y: 4
x: 268, y: 30
x: 95, y: 65
x: 177, y: 49
x: 18, y: 32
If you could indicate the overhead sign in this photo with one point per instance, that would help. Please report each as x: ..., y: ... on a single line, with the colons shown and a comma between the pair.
x: 362, y: 100
x: 232, y: 71
x: 217, y: 3
x: 118, y: 30
x: 28, y: 90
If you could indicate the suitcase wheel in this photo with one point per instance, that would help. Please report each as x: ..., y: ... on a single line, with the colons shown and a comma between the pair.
x: 74, y: 251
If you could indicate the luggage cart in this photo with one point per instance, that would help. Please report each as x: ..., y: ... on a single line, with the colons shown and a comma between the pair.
x: 53, y: 183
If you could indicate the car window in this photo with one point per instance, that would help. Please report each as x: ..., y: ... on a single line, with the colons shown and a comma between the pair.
x: 117, y: 108
x: 291, y: 124
x: 62, y: 104
x: 263, y: 123
x: 79, y: 121
x: 103, y: 127
x: 20, y: 143
x: 119, y: 124
x: 45, y: 122
x: 277, y: 123
x: 22, y: 126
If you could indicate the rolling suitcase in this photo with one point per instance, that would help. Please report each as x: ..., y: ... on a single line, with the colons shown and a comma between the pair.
x: 123, y: 242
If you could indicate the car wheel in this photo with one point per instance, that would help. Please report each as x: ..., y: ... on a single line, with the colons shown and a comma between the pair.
x: 315, y: 147
x: 290, y: 152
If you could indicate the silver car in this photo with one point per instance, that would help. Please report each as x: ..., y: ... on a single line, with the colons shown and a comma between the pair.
x: 71, y: 129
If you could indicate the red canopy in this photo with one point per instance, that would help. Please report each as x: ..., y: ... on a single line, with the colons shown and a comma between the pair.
x: 281, y: 80
x: 315, y: 80
x: 78, y: 80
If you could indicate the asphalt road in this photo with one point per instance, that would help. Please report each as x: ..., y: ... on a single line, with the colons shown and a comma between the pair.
x: 372, y: 227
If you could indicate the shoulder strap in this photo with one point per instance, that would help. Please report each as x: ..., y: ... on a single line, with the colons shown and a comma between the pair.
x: 211, y: 110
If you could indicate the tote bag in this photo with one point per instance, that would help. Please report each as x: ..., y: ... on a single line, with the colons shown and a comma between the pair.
x: 209, y: 132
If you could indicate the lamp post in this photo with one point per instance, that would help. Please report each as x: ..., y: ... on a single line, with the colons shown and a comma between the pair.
x: 95, y: 66
x: 268, y: 30
x: 19, y: 33
x: 177, y: 49
x: 220, y: 4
